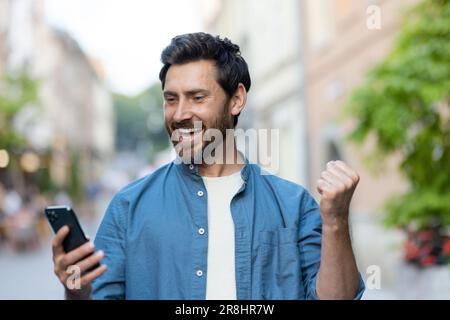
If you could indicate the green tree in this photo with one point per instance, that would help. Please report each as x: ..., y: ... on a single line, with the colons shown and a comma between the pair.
x: 140, y: 122
x: 404, y: 104
x: 15, y: 92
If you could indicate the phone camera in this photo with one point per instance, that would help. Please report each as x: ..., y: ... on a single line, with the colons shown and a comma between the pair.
x: 53, y: 216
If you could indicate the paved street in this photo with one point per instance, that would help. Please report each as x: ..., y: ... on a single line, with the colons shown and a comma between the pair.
x: 29, y: 275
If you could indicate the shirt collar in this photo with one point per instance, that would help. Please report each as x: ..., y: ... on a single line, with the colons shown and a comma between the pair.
x: 193, y: 169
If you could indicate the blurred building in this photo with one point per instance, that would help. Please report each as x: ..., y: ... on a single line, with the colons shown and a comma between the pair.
x: 342, y: 42
x: 4, y: 9
x: 343, y: 39
x: 306, y: 58
x: 272, y: 48
x: 76, y: 114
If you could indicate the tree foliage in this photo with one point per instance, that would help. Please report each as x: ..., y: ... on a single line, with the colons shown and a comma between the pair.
x: 15, y: 92
x: 140, y: 122
x: 404, y: 103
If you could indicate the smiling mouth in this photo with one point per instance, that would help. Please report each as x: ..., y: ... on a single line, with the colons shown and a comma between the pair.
x: 188, y: 135
x: 185, y: 131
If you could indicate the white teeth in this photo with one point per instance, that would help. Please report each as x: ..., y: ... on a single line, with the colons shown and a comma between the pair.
x: 189, y: 131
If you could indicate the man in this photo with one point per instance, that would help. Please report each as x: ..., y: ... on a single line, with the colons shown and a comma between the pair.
x: 214, y: 230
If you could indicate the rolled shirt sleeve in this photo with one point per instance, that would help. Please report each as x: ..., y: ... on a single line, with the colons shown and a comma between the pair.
x: 310, y: 247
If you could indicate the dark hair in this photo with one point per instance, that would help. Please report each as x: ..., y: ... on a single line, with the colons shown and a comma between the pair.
x: 231, y: 66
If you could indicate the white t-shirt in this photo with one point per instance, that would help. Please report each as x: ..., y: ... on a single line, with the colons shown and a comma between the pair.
x: 220, y: 275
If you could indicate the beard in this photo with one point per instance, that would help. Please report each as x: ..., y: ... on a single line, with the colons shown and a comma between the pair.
x: 191, y: 138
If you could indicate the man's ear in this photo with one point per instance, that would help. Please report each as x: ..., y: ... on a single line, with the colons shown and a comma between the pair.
x: 238, y: 100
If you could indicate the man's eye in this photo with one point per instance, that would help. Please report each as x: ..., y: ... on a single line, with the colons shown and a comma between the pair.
x: 199, y: 98
x: 170, y: 100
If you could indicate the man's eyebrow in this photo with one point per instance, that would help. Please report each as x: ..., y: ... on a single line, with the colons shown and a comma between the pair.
x: 191, y: 92
x: 169, y: 93
x: 197, y: 91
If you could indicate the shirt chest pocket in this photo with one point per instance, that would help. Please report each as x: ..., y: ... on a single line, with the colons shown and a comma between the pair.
x: 280, y: 264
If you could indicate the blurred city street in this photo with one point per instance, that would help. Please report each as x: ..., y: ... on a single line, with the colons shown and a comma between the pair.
x: 82, y: 114
x: 29, y: 275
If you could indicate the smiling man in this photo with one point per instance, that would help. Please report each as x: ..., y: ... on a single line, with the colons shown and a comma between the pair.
x: 197, y: 229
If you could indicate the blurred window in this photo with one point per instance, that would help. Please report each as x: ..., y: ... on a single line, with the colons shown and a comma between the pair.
x: 320, y: 22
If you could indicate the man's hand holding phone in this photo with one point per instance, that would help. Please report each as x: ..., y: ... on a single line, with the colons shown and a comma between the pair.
x: 78, y: 263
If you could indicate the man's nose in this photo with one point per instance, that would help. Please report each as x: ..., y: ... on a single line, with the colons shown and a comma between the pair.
x: 183, y: 111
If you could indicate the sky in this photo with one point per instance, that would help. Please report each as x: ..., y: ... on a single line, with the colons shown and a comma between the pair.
x: 127, y: 36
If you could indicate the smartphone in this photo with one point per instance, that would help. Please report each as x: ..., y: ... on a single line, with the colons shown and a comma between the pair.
x: 59, y: 216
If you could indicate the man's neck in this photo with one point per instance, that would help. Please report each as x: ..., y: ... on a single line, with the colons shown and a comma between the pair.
x: 233, y: 163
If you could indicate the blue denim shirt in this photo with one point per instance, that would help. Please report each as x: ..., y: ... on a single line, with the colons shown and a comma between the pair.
x: 154, y: 250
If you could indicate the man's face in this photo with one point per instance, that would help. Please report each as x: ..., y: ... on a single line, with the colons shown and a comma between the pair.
x: 193, y: 95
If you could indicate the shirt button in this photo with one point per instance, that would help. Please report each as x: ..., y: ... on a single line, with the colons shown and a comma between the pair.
x: 199, y: 273
x: 201, y: 231
x: 200, y: 193
x: 191, y: 166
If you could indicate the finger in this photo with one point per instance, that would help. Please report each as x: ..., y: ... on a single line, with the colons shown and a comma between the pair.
x: 91, y: 276
x: 91, y: 261
x: 57, y: 242
x: 342, y: 168
x: 77, y: 254
x: 322, y: 185
x: 331, y: 179
x: 345, y: 179
x: 347, y: 170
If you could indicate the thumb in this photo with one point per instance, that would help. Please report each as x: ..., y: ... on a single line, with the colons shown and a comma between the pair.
x: 320, y: 186
x: 319, y: 189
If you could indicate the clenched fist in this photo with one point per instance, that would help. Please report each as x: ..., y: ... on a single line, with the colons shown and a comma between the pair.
x: 336, y: 186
